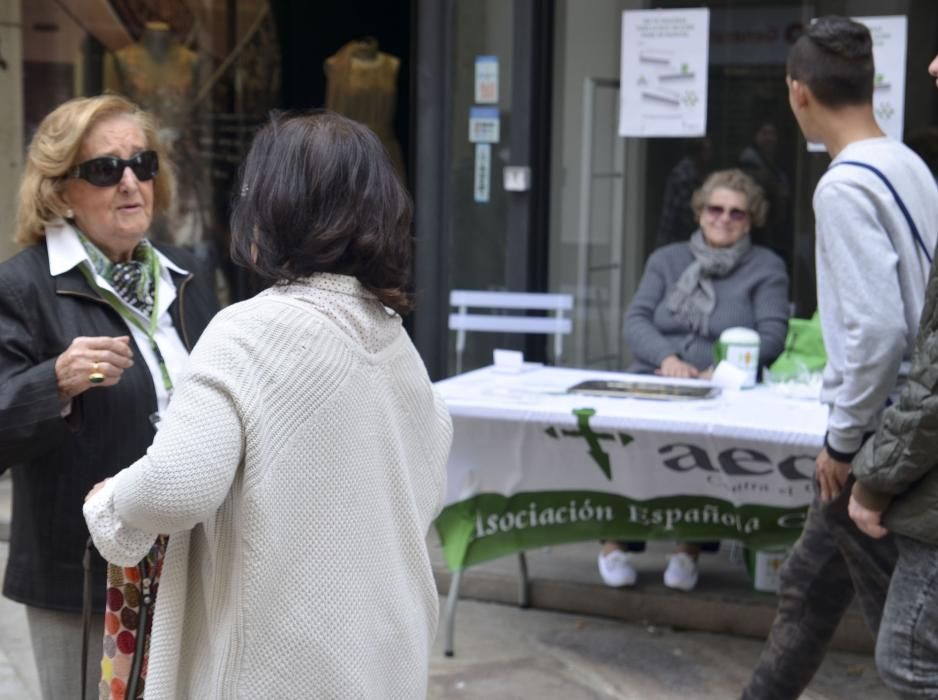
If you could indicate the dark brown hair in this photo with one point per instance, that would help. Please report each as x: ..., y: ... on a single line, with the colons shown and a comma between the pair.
x: 834, y: 58
x: 318, y: 193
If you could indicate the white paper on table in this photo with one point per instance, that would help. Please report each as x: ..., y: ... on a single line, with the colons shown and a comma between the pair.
x: 508, y: 360
x: 727, y: 376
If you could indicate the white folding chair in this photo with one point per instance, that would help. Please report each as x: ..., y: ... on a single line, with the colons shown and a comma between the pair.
x: 555, y: 324
x: 461, y: 321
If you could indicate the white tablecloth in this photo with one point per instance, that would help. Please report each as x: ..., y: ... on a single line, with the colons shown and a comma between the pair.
x: 532, y: 464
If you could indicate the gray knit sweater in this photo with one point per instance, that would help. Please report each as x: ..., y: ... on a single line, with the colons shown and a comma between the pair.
x: 754, y: 295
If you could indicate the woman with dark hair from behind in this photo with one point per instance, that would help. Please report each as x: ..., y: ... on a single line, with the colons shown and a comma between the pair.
x: 305, y: 441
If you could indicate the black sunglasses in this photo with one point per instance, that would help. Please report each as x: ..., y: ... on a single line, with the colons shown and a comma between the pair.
x: 107, y: 171
x: 716, y: 211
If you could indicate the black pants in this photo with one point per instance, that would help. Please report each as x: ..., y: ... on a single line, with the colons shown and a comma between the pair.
x: 831, y: 562
x: 629, y: 546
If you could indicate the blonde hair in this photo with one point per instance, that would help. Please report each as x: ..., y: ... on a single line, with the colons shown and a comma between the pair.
x: 737, y: 181
x: 54, y: 150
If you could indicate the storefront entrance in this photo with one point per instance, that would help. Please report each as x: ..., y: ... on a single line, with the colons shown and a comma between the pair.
x: 599, y: 203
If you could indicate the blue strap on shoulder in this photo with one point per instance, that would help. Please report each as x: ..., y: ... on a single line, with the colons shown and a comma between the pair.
x: 905, y: 212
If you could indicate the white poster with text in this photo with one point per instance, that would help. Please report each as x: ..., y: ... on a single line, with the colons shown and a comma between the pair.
x: 663, y: 77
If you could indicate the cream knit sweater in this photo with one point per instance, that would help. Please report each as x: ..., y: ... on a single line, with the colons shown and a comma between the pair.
x: 298, y: 470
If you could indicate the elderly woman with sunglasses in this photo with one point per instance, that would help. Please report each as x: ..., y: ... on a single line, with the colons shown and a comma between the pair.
x: 97, y: 324
x: 689, y: 294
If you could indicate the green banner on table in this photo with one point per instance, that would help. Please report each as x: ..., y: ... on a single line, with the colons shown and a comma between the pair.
x: 488, y: 526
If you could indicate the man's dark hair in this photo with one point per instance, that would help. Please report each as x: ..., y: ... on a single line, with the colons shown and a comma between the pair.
x: 318, y: 193
x: 834, y: 57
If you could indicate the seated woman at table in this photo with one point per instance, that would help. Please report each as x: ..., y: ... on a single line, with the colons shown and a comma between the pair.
x: 689, y: 294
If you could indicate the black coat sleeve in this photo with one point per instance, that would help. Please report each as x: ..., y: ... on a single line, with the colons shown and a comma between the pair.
x: 31, y: 419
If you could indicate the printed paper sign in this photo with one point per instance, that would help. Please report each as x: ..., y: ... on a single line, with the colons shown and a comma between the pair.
x: 889, y: 47
x: 486, y: 82
x: 664, y: 73
x: 482, y: 173
x: 483, y: 125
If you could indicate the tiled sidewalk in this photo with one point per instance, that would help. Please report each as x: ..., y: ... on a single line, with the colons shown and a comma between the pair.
x: 607, y: 644
x: 506, y: 652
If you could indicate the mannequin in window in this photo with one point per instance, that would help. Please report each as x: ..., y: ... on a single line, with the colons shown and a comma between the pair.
x: 361, y: 83
x: 157, y: 72
x: 162, y: 76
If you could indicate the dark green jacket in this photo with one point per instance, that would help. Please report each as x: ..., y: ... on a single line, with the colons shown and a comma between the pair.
x: 897, y: 469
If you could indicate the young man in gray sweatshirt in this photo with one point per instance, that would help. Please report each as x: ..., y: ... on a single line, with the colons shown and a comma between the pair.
x: 875, y: 210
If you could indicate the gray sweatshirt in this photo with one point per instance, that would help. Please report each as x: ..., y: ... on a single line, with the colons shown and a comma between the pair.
x: 871, y: 278
x: 754, y: 295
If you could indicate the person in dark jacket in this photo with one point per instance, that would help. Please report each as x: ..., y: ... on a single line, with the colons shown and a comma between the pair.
x: 96, y: 324
x: 896, y: 490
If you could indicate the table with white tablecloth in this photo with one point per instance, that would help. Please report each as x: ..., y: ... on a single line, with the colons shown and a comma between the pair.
x: 534, y: 465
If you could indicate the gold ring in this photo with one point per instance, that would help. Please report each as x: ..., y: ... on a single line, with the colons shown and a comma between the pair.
x: 95, y: 377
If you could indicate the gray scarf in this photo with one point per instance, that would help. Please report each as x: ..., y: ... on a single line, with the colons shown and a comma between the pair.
x: 692, y: 299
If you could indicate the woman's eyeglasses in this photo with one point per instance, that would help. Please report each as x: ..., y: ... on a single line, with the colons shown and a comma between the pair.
x: 716, y: 211
x: 107, y: 171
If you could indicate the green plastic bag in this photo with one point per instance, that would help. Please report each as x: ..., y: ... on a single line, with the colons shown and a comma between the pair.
x: 804, y: 350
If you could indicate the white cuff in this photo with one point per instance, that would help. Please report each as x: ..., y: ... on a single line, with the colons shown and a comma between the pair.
x: 118, y: 543
x: 845, y: 442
